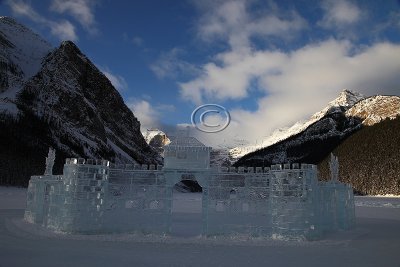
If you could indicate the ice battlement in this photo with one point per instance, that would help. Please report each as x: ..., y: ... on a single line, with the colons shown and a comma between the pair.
x: 276, y: 167
x: 151, y: 167
x: 109, y: 165
x: 82, y: 161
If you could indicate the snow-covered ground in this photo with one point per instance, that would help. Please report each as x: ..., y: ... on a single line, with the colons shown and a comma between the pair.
x: 375, y: 241
x: 381, y: 201
x: 12, y: 198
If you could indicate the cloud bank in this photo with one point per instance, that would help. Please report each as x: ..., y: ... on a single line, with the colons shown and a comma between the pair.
x: 62, y: 29
x: 150, y: 115
x: 293, y: 83
x: 81, y: 10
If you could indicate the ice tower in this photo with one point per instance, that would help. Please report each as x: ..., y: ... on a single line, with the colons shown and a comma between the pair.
x: 186, y: 152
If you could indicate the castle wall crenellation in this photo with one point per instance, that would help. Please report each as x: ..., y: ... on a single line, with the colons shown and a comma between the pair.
x: 108, y: 164
x: 153, y: 167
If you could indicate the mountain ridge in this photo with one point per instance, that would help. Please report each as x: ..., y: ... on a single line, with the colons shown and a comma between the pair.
x: 21, y: 55
x: 345, y: 99
x: 68, y: 104
x: 336, y: 125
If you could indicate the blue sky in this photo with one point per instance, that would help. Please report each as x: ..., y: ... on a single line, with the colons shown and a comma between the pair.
x: 270, y: 63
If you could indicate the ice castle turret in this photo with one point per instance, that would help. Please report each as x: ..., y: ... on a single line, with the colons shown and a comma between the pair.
x: 50, y: 162
x: 186, y: 152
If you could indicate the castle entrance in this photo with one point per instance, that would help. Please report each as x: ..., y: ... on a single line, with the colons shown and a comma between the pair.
x: 186, y: 210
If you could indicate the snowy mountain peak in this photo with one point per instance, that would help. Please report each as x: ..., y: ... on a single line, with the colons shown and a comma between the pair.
x: 374, y: 109
x: 62, y: 100
x: 347, y: 98
x: 156, y: 138
x: 24, y: 43
x: 344, y: 101
x: 8, y: 20
x: 21, y: 55
x: 326, y: 129
x: 70, y: 44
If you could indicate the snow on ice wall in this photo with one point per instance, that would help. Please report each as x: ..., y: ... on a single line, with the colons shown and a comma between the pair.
x: 98, y: 197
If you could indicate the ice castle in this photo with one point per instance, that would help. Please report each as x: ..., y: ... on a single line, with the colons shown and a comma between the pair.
x: 96, y: 196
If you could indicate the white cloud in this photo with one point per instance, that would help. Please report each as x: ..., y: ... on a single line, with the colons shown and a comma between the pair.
x: 22, y: 8
x: 64, y: 30
x: 148, y: 116
x: 296, y: 84
x: 165, y: 108
x: 116, y: 80
x: 169, y: 65
x: 232, y: 21
x: 81, y: 10
x: 339, y: 13
x: 293, y: 84
x: 240, y: 68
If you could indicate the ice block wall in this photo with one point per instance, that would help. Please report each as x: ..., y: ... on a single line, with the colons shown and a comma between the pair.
x: 292, y: 214
x: 138, y: 199
x: 236, y: 201
x: 95, y: 196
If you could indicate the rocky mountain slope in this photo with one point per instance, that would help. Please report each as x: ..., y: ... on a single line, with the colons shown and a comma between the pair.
x: 375, y: 109
x: 365, y: 136
x: 334, y: 125
x: 156, y: 139
x: 58, y: 97
x: 21, y: 54
x: 344, y: 101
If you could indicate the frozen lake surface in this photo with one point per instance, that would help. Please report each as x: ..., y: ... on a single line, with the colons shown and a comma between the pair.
x: 375, y: 241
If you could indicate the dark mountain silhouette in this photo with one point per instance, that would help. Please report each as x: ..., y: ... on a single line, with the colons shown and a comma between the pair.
x: 63, y: 101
